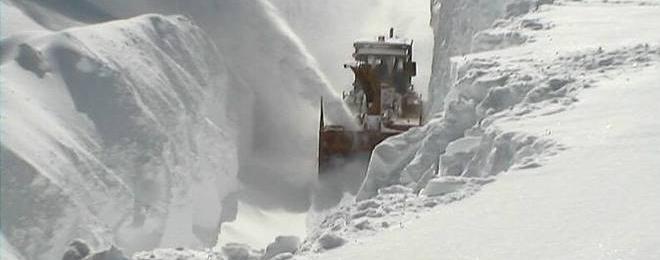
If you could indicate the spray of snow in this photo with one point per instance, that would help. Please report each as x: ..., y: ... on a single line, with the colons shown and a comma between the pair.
x: 344, y: 21
x: 275, y: 101
x: 258, y: 227
x: 157, y: 126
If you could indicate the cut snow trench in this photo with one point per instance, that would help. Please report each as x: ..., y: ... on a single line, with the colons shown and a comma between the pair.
x: 276, y: 109
x: 331, y: 190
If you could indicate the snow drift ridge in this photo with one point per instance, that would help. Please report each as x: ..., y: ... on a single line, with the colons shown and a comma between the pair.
x: 108, y: 144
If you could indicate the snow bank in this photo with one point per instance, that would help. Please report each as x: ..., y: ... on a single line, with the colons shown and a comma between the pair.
x: 574, y: 207
x: 488, y: 90
x: 481, y: 87
x: 111, y: 143
x: 454, y: 24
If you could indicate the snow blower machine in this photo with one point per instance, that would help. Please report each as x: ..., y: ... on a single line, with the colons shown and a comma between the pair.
x: 382, y: 100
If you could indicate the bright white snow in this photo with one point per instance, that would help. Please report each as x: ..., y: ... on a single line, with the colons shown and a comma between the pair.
x: 134, y: 131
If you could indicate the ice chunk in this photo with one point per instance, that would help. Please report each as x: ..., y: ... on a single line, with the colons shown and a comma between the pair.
x: 282, y: 256
x: 367, y: 204
x: 394, y: 189
x: 330, y: 241
x: 442, y: 185
x: 364, y: 225
x: 281, y: 245
x: 235, y: 251
x: 497, y: 39
x: 31, y: 59
x: 112, y: 253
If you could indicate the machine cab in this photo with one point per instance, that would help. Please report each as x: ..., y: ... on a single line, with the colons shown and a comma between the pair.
x: 383, y: 89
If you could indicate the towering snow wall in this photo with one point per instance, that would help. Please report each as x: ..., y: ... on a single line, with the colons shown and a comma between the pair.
x: 455, y: 107
x: 110, y: 128
x: 454, y: 25
x: 112, y: 133
x: 277, y: 95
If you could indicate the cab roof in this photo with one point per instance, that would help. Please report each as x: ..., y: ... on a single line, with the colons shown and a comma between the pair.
x: 393, y: 46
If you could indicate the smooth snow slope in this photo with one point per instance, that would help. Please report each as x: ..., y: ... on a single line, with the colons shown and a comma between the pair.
x: 111, y: 133
x: 596, y: 198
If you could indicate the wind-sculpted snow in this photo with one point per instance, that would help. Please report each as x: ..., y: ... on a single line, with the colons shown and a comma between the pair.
x: 118, y: 141
x: 276, y: 96
x: 141, y: 87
